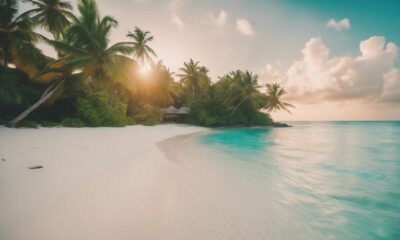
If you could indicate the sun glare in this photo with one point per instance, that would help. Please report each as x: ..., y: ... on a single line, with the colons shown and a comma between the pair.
x: 144, y: 69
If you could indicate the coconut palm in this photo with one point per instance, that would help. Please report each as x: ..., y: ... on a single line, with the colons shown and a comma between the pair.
x: 54, y: 15
x: 85, y: 51
x: 274, y: 95
x: 194, y: 78
x: 17, y: 40
x: 53, y: 74
x: 158, y: 87
x: 141, y: 50
x: 242, y: 87
x: 167, y: 87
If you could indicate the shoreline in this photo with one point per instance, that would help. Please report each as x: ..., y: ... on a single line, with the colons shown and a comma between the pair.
x: 166, y: 146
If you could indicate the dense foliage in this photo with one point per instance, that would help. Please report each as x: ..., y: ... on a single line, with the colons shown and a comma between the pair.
x: 17, y: 92
x: 95, y: 83
x: 102, y: 109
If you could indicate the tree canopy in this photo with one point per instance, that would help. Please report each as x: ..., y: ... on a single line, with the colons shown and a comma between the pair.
x: 97, y: 83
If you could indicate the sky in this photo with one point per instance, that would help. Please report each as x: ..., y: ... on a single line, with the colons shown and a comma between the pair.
x: 337, y: 60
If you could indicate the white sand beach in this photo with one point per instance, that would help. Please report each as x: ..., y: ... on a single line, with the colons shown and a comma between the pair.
x: 177, y: 182
x: 96, y: 183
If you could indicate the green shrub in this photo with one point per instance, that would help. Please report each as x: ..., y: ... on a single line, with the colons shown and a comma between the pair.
x: 101, y: 109
x: 88, y: 112
x: 212, y: 113
x: 148, y: 115
x: 202, y: 116
x: 206, y: 112
x: 72, y: 122
x: 262, y: 119
x: 28, y: 124
x: 150, y: 122
x: 4, y: 120
x: 49, y: 124
x: 239, y: 118
x: 130, y: 121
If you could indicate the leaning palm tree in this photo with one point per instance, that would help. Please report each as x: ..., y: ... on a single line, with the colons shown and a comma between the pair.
x: 54, y: 15
x: 243, y: 87
x: 194, y: 78
x: 54, y: 74
x: 274, y: 95
x: 17, y: 40
x: 141, y: 50
x: 85, y: 51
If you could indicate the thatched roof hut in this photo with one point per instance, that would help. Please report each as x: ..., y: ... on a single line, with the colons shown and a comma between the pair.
x: 183, y: 110
x: 170, y: 110
x: 170, y: 113
x: 173, y: 114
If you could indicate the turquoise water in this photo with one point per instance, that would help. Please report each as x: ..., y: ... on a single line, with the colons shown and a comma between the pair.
x: 316, y: 180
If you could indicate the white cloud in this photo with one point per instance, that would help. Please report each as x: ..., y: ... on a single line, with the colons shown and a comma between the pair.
x: 244, y: 27
x: 340, y: 25
x: 177, y: 21
x: 272, y: 72
x: 219, y: 20
x: 391, y: 86
x: 369, y: 77
x: 174, y: 6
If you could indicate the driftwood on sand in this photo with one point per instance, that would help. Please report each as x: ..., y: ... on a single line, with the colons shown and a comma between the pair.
x: 35, y: 167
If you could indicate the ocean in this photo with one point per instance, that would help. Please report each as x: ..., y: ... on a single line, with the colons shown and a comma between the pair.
x: 315, y: 180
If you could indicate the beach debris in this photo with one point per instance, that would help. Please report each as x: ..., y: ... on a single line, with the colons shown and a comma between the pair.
x: 35, y: 167
x: 3, y: 159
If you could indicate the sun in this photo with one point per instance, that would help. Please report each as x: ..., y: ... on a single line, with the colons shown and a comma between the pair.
x: 144, y: 69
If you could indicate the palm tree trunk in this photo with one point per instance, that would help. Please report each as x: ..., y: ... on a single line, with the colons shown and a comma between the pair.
x: 234, y: 110
x: 46, y: 95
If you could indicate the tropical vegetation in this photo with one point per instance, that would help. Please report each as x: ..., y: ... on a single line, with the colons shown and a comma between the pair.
x: 93, y: 82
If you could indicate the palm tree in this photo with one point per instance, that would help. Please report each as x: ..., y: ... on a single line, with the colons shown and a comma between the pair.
x: 274, y: 95
x: 194, y: 78
x: 242, y: 87
x: 158, y: 87
x: 17, y: 40
x: 53, y: 15
x: 52, y: 73
x: 141, y: 50
x: 167, y: 87
x: 85, y: 51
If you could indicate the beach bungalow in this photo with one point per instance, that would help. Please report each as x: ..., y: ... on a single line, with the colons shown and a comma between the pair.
x: 173, y: 114
x: 183, y: 111
x: 170, y: 113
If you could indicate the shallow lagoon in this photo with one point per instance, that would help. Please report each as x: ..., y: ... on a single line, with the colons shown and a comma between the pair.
x: 316, y: 180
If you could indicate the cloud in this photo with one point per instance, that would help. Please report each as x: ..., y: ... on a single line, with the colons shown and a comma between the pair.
x: 177, y: 21
x: 174, y: 6
x: 272, y: 72
x: 244, y: 27
x: 340, y: 25
x: 220, y: 20
x: 391, y: 86
x: 369, y: 77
